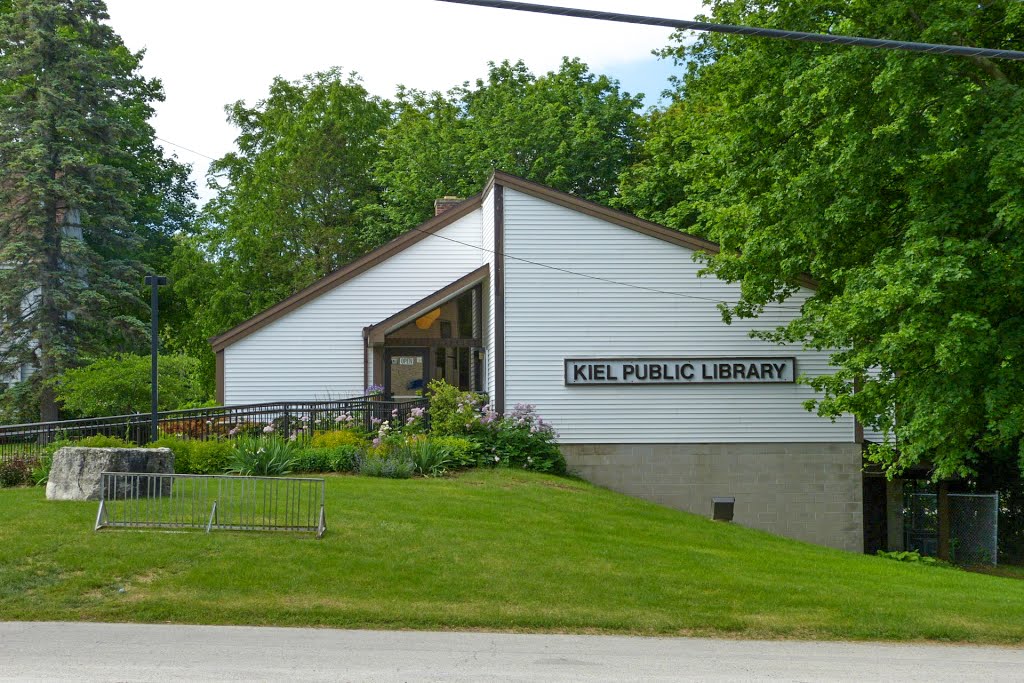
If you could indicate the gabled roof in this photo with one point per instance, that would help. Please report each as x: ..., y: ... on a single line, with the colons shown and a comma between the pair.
x: 342, y: 275
x: 626, y: 220
x: 435, y: 224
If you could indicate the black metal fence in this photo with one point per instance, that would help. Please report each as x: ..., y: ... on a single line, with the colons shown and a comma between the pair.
x: 288, y: 419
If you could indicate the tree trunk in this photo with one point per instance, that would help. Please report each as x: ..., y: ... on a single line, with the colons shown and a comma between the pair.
x: 50, y: 314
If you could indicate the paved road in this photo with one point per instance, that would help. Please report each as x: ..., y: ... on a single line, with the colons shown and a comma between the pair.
x: 126, y: 652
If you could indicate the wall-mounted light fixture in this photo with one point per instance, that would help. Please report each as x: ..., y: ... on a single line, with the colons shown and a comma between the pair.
x: 425, y: 321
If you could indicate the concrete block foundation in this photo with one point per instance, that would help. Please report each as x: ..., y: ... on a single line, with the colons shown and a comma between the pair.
x: 807, y: 491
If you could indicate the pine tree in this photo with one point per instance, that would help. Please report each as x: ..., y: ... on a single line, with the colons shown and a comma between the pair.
x: 75, y: 147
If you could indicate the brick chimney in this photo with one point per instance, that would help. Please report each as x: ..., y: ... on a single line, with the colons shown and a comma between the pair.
x: 444, y: 203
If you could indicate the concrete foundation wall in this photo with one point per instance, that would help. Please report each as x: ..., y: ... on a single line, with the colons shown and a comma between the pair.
x: 807, y: 491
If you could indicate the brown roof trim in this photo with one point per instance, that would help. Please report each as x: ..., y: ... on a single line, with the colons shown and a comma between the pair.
x: 338, y: 277
x: 621, y: 218
x: 375, y: 333
x: 219, y: 376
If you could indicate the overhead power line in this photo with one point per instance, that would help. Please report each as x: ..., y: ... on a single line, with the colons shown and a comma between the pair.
x: 801, y: 36
x: 575, y: 273
x: 182, y: 147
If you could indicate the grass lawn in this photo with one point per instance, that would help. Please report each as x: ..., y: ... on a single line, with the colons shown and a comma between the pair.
x: 493, y: 550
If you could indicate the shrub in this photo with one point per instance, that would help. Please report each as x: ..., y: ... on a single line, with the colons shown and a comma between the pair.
x: 345, y: 459
x: 335, y: 438
x: 464, y: 452
x: 313, y: 460
x: 270, y: 457
x: 523, y: 439
x: 197, y: 457
x: 428, y: 457
x: 16, y: 471
x: 453, y: 412
x: 337, y: 459
x: 119, y: 385
x: 389, y: 466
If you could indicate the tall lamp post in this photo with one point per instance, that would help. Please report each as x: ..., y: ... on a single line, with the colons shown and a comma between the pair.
x: 154, y: 281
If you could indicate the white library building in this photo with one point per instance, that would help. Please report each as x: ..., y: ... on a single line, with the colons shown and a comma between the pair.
x: 598, y: 318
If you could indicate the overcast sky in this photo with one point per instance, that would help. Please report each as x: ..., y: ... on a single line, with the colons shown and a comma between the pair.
x: 212, y: 52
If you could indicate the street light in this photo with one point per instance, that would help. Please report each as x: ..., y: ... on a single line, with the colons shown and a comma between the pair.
x: 154, y: 281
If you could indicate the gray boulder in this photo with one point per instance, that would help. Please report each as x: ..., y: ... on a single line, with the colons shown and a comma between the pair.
x: 75, y: 473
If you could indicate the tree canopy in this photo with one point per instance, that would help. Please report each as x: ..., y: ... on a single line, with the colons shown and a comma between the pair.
x: 570, y: 129
x: 77, y: 150
x: 895, y: 180
x: 120, y: 385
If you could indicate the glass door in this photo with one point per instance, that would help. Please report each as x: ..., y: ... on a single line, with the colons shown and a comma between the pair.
x: 407, y: 372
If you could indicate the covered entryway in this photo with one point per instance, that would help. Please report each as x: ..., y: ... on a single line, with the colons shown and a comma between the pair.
x: 407, y: 372
x: 438, y: 337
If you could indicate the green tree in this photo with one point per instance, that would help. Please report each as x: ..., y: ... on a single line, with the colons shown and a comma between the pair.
x: 120, y: 385
x: 570, y: 129
x: 76, y: 150
x: 896, y: 180
x: 289, y: 204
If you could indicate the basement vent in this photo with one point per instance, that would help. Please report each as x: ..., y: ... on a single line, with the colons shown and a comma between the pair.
x: 722, y: 508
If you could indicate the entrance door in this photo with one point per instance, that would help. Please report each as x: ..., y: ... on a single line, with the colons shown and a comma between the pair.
x: 407, y: 372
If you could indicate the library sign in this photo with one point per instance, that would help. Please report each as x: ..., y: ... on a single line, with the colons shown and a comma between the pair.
x: 726, y: 370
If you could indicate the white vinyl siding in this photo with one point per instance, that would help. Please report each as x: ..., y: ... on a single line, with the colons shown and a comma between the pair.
x: 552, y: 315
x: 487, y: 256
x: 316, y: 351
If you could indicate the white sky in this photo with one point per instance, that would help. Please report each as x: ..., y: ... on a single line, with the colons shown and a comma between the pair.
x: 214, y: 52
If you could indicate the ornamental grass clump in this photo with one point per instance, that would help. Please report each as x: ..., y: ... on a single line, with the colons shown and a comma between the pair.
x: 388, y: 466
x: 271, y: 457
x: 430, y: 459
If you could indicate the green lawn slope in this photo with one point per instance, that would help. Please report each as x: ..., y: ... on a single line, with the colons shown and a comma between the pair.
x: 493, y: 550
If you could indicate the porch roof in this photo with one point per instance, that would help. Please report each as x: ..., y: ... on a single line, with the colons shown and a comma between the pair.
x: 375, y: 334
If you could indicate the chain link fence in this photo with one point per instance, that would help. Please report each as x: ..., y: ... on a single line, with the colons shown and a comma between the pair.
x: 973, y: 526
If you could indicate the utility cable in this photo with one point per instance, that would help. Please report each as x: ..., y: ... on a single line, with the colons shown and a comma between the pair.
x: 878, y: 43
x: 583, y: 275
x: 175, y: 144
